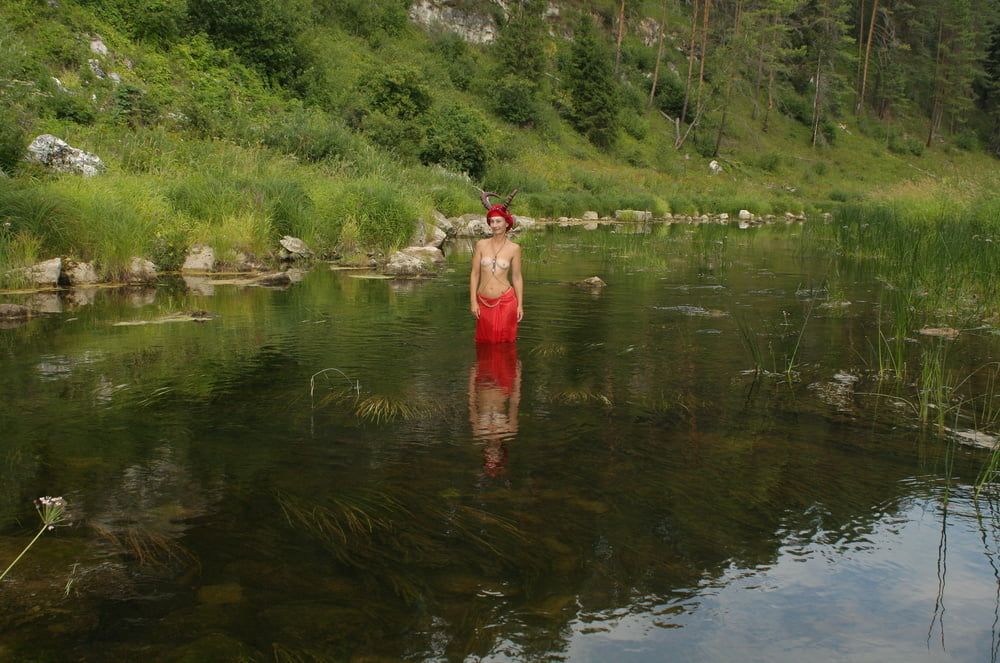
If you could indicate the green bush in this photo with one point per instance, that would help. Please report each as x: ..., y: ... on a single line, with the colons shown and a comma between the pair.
x: 134, y: 107
x: 515, y: 100
x: 379, y: 212
x: 902, y: 144
x: 769, y: 161
x: 398, y: 135
x: 399, y: 91
x: 670, y: 94
x: 310, y: 135
x: 66, y: 106
x: 457, y: 58
x: 371, y: 19
x: 968, y: 141
x: 456, y: 139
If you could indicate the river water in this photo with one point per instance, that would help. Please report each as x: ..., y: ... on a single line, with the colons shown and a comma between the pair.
x: 332, y: 471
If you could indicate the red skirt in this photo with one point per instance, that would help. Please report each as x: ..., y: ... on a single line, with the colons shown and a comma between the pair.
x: 497, y: 318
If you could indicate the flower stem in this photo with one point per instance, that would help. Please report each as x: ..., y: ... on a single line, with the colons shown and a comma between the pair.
x: 40, y: 532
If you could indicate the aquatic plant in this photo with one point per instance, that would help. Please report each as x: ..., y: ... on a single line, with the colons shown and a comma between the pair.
x: 52, y: 511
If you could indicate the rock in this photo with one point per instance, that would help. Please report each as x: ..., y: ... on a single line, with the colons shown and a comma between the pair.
x: 431, y: 253
x: 633, y: 215
x: 591, y: 225
x: 140, y: 270
x: 45, y: 274
x: 940, y: 332
x: 724, y: 217
x: 293, y: 248
x: 471, y: 225
x: 745, y: 215
x: 473, y: 27
x: 78, y: 297
x: 14, y: 312
x: 96, y: 69
x: 200, y: 258
x: 425, y: 234
x: 55, y: 154
x: 115, y: 78
x: 80, y: 273
x: 97, y: 46
x: 45, y: 302
x: 59, y: 85
x: 590, y: 216
x: 522, y: 223
x: 409, y: 264
x: 442, y: 222
x: 592, y: 282
x: 244, y: 263
x: 714, y: 167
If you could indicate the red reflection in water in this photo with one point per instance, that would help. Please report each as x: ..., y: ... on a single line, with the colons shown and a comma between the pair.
x: 494, y: 397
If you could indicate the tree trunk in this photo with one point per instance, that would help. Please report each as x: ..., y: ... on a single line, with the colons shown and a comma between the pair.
x: 729, y: 81
x: 687, y: 85
x: 816, y: 104
x: 621, y: 33
x: 704, y: 50
x: 659, y: 55
x: 861, y: 41
x: 770, y: 99
x: 937, y: 102
x: 867, y: 59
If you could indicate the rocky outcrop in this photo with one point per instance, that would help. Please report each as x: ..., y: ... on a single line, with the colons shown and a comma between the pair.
x: 414, y: 261
x: 471, y: 27
x: 633, y: 215
x: 57, y: 155
x: 45, y: 274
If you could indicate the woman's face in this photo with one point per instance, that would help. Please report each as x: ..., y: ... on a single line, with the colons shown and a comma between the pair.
x: 498, y: 225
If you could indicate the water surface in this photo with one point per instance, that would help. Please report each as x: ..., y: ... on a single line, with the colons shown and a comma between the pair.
x: 617, y: 486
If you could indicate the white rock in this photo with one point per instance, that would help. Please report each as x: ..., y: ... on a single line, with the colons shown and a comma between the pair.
x: 97, y: 46
x: 473, y: 27
x: 294, y: 247
x: 591, y: 216
x: 745, y: 215
x: 633, y: 215
x: 57, y: 155
x: 45, y: 274
x: 406, y: 264
x: 431, y: 253
x: 714, y: 167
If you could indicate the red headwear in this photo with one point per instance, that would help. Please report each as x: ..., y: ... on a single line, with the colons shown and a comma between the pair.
x: 501, y: 211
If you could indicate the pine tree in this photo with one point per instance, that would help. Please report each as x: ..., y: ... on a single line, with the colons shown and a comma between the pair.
x: 523, y: 65
x: 592, y: 87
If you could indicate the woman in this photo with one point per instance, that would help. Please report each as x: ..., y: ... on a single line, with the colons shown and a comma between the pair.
x: 496, y: 287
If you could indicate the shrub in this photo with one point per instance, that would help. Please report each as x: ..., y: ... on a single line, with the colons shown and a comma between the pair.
x: 456, y: 139
x: 380, y: 212
x: 769, y: 161
x: 514, y: 99
x: 398, y: 135
x: 13, y: 141
x: 310, y: 135
x: 967, y: 140
x: 66, y: 106
x: 371, y: 19
x: 133, y: 106
x: 400, y: 91
x: 670, y: 94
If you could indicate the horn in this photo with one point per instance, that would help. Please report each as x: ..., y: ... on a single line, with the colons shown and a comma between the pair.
x: 485, y: 197
x: 510, y: 198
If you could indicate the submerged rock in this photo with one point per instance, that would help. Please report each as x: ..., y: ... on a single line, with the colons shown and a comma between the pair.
x: 940, y: 332
x: 592, y: 282
x: 14, y: 312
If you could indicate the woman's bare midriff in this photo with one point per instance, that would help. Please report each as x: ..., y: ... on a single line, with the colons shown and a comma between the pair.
x: 494, y: 287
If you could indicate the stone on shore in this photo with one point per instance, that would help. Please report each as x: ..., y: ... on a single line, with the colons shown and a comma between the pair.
x: 200, y: 258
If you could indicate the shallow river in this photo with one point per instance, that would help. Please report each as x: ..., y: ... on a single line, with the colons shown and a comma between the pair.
x: 333, y: 472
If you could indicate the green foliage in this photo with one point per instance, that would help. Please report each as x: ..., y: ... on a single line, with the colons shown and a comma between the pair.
x: 262, y: 32
x: 669, y: 94
x: 13, y: 141
x: 514, y: 99
x: 133, y: 106
x: 456, y: 139
x: 592, y: 86
x: 901, y: 144
x: 372, y: 19
x: 373, y: 213
x: 457, y: 58
x: 400, y: 91
x: 310, y: 135
x: 66, y: 106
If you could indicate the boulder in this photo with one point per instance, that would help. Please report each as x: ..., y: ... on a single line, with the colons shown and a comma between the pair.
x: 745, y: 215
x: 425, y: 234
x: 724, y: 217
x: 80, y: 273
x: 714, y: 167
x: 57, y: 155
x: 293, y: 248
x: 97, y: 46
x: 442, y: 222
x: 275, y: 279
x: 523, y: 223
x: 431, y: 253
x: 97, y: 69
x: 140, y: 270
x: 591, y: 216
x: 403, y: 263
x: 471, y: 225
x: 200, y: 258
x: 45, y: 274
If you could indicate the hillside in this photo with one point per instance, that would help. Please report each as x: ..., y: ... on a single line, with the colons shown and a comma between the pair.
x: 233, y: 122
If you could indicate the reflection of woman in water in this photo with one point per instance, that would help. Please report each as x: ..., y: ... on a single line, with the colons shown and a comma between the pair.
x: 494, y: 397
x: 496, y: 301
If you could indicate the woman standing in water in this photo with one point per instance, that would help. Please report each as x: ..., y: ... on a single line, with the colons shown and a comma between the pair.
x: 496, y: 287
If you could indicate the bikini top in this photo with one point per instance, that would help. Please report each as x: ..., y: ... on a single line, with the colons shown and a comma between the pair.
x: 495, y: 262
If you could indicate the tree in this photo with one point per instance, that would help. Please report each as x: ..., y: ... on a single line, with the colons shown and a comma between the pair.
x: 825, y: 31
x: 522, y: 64
x: 592, y: 87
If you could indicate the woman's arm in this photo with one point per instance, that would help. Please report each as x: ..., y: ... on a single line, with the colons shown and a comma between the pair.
x: 474, y: 282
x: 517, y: 281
